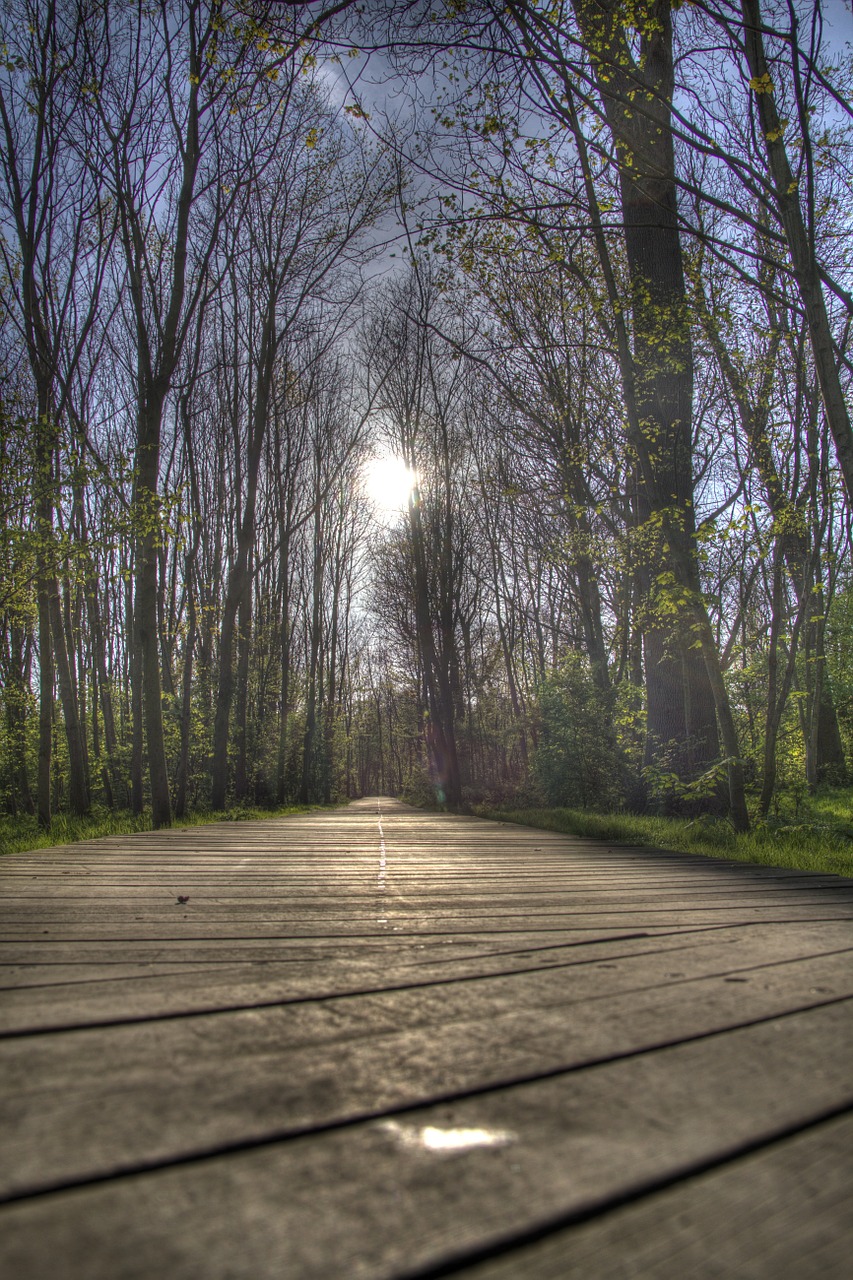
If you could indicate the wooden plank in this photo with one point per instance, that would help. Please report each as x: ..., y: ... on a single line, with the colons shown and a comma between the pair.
x: 783, y: 1211
x: 261, y: 1062
x: 78, y: 1106
x: 380, y: 1198
x: 342, y: 923
x: 613, y: 966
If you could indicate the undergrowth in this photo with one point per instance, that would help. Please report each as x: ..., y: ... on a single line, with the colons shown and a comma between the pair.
x: 819, y: 838
x: 20, y: 834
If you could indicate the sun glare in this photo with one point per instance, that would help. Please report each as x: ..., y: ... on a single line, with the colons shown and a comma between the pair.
x: 389, y: 482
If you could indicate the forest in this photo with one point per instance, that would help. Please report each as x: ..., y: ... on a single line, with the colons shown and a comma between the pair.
x: 448, y: 399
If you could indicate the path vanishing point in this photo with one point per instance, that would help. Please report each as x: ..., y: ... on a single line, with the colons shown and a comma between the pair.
x: 374, y: 1042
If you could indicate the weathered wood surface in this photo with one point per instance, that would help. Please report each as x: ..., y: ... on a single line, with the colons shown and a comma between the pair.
x: 379, y: 1043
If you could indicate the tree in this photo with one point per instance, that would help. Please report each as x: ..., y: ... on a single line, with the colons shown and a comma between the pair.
x: 62, y: 236
x: 800, y: 239
x: 302, y: 220
x: 161, y: 84
x: 421, y: 409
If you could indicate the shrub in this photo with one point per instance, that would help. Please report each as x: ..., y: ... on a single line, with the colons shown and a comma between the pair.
x: 577, y: 762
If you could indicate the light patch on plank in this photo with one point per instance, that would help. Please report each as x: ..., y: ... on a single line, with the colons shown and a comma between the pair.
x: 432, y: 1138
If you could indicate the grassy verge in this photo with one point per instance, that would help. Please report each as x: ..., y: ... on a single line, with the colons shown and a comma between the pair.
x: 17, y: 835
x: 820, y: 841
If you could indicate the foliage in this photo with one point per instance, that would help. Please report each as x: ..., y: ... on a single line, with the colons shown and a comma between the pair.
x: 577, y: 761
x: 22, y: 834
x: 818, y: 838
x: 839, y: 659
x: 421, y: 790
x: 629, y: 528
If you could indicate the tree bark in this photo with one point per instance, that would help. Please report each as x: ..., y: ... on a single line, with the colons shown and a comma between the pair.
x: 118, y: 787
x: 16, y: 698
x: 51, y: 628
x: 137, y: 734
x: 308, y: 789
x: 146, y: 507
x: 824, y: 750
x: 800, y: 247
x: 45, y: 747
x: 182, y: 773
x: 244, y: 643
x: 682, y: 694
x: 78, y: 780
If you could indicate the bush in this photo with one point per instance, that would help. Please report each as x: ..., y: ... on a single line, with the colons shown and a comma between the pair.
x: 419, y: 789
x: 839, y: 661
x: 577, y: 762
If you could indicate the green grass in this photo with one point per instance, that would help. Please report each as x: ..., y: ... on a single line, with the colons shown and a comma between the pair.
x: 815, y: 834
x: 17, y: 835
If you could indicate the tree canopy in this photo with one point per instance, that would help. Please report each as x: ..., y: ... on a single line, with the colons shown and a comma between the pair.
x: 446, y: 398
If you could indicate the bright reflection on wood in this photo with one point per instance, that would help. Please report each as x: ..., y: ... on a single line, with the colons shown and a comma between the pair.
x: 432, y: 1138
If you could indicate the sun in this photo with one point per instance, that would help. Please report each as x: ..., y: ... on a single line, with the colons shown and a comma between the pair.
x: 389, y: 482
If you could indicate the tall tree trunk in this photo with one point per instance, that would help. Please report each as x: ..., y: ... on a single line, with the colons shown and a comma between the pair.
x: 680, y: 706
x: 239, y: 586
x: 241, y: 709
x: 777, y: 692
x: 686, y: 695
x: 16, y: 698
x: 800, y: 244
x: 440, y: 723
x: 52, y: 639
x: 137, y: 734
x: 146, y: 507
x: 78, y: 780
x: 284, y: 700
x: 117, y: 782
x: 182, y: 772
x: 824, y: 749
x: 224, y: 696
x: 45, y: 747
x: 308, y: 786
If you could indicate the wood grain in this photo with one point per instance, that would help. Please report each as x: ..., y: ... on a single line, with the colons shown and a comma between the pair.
x: 265, y: 1079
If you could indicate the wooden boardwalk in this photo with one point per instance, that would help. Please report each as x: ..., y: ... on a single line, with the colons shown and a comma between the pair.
x: 378, y: 1043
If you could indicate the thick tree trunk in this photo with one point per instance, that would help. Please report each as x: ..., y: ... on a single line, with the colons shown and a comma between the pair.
x: 680, y: 704
x: 687, y: 702
x: 440, y: 726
